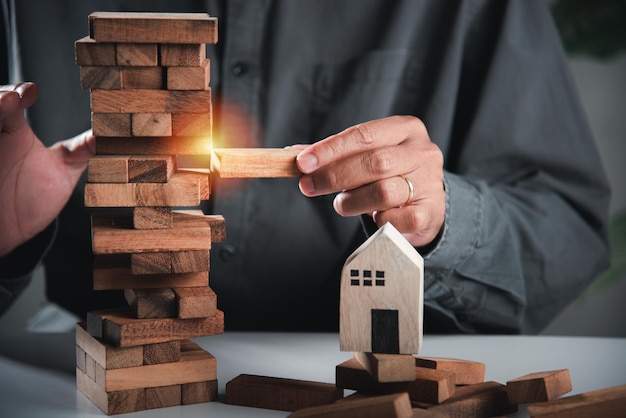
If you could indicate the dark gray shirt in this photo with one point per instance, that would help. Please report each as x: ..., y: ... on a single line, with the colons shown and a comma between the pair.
x: 527, y: 197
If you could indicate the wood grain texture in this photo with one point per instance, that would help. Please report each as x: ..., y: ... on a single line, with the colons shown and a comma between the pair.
x: 106, y: 355
x: 151, y: 168
x: 388, y: 367
x: 175, y: 145
x: 255, y: 162
x: 151, y: 124
x: 163, y: 396
x: 182, y: 55
x: 195, y: 302
x: 152, y: 217
x: 151, y: 303
x: 217, y: 222
x: 466, y: 372
x: 151, y: 263
x: 108, y: 169
x: 199, y: 392
x: 395, y: 405
x: 184, y: 188
x: 189, y: 78
x: 114, y: 234
x: 279, y: 393
x: 486, y: 399
x: 190, y: 261
x: 175, y: 28
x: 119, y: 328
x: 539, y: 387
x: 192, y: 124
x: 112, y: 271
x: 142, y: 78
x: 165, y: 352
x: 111, y: 403
x: 88, y: 52
x: 101, y: 77
x: 137, y: 54
x: 150, y: 101
x: 430, y: 386
x: 606, y: 403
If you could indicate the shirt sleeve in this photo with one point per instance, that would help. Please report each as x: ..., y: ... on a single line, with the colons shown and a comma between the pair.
x: 17, y: 267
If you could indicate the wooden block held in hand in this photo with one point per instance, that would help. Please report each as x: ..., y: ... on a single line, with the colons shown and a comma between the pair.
x: 255, y: 162
x: 182, y: 55
x: 606, y: 403
x: 466, y: 372
x: 279, y: 393
x: 195, y: 302
x: 388, y: 367
x: 152, y: 217
x: 189, y: 78
x: 150, y: 168
x: 396, y: 405
x: 89, y: 53
x: 134, y: 54
x: 539, y: 387
x: 108, y: 169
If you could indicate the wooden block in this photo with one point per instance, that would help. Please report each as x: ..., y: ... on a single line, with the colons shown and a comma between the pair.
x: 255, y: 162
x: 189, y: 78
x: 191, y: 124
x: 386, y: 406
x: 186, y: 145
x: 466, y: 372
x: 199, y: 392
x: 606, y: 403
x: 90, y: 367
x: 184, y: 188
x: 539, y: 387
x: 151, y: 303
x: 89, y: 53
x: 163, y: 396
x: 101, y: 77
x: 150, y: 168
x: 165, y: 352
x: 217, y: 222
x: 134, y: 54
x: 106, y: 355
x: 182, y: 55
x: 279, y: 393
x: 80, y: 358
x: 388, y: 367
x: 486, y: 399
x: 152, y: 124
x: 119, y: 328
x: 172, y: 28
x: 111, y: 124
x: 113, y: 272
x: 151, y: 263
x: 195, y: 302
x: 430, y: 386
x: 111, y: 403
x: 194, y: 366
x: 150, y: 101
x: 142, y: 78
x: 152, y: 218
x: 189, y: 261
x: 108, y: 169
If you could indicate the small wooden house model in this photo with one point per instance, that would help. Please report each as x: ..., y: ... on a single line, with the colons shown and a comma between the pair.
x: 382, y: 287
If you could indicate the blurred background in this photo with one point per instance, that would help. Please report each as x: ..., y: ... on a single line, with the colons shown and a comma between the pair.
x: 594, y: 35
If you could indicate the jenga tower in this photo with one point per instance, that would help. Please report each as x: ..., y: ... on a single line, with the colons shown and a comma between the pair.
x: 148, y: 78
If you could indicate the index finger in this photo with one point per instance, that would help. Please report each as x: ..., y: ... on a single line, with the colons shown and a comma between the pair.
x: 388, y: 131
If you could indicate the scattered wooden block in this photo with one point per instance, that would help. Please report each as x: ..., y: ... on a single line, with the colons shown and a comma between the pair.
x: 388, y: 367
x: 142, y: 78
x: 165, y: 352
x: 118, y: 327
x: 111, y: 403
x: 255, y: 162
x: 195, y: 302
x: 108, y: 169
x: 539, y: 387
x: 184, y: 145
x: 89, y: 53
x: 173, y: 28
x: 135, y: 54
x: 182, y: 55
x: 104, y: 354
x: 184, y: 188
x: 466, y: 372
x: 486, y: 399
x: 100, y: 77
x: 163, y: 396
x: 113, y: 271
x: 430, y: 386
x: 151, y: 303
x: 151, y: 101
x: 150, y: 168
x: 199, y: 392
x: 386, y: 406
x: 191, y: 124
x: 189, y: 78
x: 152, y: 124
x: 279, y: 393
x: 606, y: 403
x: 152, y: 217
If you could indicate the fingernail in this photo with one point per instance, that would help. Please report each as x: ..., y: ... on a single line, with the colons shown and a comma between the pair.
x: 307, y: 163
x: 307, y: 187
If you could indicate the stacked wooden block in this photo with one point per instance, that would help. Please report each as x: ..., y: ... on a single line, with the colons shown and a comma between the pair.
x: 148, y: 78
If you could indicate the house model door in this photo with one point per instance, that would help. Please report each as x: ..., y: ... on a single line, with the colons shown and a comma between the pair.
x: 385, y: 334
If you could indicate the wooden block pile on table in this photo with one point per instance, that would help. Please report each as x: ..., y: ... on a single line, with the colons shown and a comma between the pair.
x: 148, y: 78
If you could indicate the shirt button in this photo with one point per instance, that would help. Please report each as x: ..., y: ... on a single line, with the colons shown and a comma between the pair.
x: 239, y: 68
x: 227, y: 252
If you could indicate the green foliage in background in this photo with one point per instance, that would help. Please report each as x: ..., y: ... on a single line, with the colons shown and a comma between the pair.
x: 596, y: 28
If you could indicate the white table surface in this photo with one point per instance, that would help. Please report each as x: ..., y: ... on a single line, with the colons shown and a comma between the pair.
x: 48, y: 389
